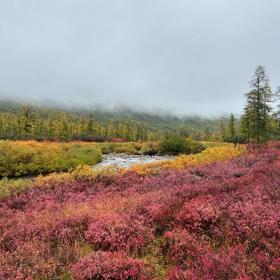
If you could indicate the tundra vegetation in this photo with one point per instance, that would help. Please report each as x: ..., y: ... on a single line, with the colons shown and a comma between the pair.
x: 212, y: 219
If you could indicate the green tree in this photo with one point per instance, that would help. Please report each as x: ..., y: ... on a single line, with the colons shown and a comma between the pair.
x: 222, y: 129
x: 90, y: 126
x: 174, y: 145
x: 232, y: 128
x: 245, y: 125
x: 277, y: 113
x: 257, y: 107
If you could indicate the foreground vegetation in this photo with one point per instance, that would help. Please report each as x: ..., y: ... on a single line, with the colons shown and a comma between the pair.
x: 212, y: 221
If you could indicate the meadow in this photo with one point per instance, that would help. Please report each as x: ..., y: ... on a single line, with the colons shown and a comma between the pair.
x: 31, y: 158
x: 18, y: 183
x: 22, y: 158
x: 213, y: 219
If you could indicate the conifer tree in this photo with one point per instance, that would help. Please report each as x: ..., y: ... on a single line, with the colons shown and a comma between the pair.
x: 277, y: 113
x: 257, y: 108
x: 90, y: 126
x: 232, y: 128
x: 222, y: 129
x: 27, y: 121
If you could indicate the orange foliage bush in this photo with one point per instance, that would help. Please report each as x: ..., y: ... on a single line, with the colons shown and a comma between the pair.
x: 209, y: 155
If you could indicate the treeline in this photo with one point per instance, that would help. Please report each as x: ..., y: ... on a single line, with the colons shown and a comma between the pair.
x: 44, y: 124
x: 261, y: 115
x: 23, y: 122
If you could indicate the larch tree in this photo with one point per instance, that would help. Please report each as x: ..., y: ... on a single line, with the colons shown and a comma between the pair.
x: 222, y: 128
x: 232, y: 128
x: 245, y: 125
x: 277, y: 113
x: 90, y: 125
x: 258, y: 108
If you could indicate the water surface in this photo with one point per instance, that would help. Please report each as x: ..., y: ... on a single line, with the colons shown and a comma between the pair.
x: 126, y: 160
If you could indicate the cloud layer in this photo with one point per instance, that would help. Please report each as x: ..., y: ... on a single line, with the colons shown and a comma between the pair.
x: 186, y: 56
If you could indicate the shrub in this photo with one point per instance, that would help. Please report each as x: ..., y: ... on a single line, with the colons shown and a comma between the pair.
x: 119, y: 147
x: 175, y: 273
x: 107, y: 265
x: 118, y: 232
x: 150, y: 149
x: 195, y: 147
x: 210, y: 155
x: 128, y: 148
x: 174, y: 145
x: 177, y: 145
x: 199, y: 214
x: 107, y: 148
x: 32, y: 158
x: 182, y: 247
x: 13, y: 187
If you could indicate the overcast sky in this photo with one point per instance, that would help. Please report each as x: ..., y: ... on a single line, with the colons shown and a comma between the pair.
x: 185, y: 56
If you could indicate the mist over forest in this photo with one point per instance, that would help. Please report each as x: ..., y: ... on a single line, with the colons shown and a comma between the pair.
x: 152, y: 124
x: 188, y: 57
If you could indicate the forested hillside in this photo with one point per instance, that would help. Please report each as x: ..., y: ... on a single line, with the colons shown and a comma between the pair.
x: 25, y: 121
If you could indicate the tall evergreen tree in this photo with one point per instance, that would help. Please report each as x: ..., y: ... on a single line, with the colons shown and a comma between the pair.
x: 277, y: 112
x: 232, y: 128
x: 258, y: 107
x: 27, y: 121
x: 245, y: 125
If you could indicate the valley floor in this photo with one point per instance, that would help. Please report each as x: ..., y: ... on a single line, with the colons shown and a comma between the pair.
x: 190, y: 219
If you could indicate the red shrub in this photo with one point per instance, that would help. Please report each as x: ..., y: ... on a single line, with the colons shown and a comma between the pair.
x: 200, y: 214
x: 175, y: 273
x: 182, y: 247
x: 107, y: 265
x: 218, y: 221
x: 68, y: 230
x: 118, y: 232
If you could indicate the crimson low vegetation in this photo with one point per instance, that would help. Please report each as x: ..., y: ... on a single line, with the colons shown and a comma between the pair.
x: 215, y: 221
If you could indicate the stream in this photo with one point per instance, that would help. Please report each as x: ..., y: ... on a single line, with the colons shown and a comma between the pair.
x: 117, y: 160
x: 127, y: 160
